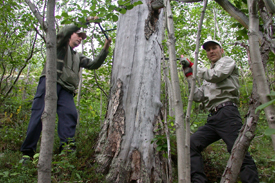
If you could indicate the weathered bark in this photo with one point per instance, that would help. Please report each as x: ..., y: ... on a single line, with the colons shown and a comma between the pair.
x: 244, y: 139
x: 124, y: 150
x: 241, y: 144
x: 257, y: 66
x: 49, y: 114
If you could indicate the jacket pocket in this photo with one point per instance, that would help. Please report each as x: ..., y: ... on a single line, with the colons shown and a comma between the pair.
x: 69, y: 77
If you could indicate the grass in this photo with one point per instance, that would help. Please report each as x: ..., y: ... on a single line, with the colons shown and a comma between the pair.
x: 80, y: 166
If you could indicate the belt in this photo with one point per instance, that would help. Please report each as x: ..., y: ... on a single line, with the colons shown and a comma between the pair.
x: 221, y: 106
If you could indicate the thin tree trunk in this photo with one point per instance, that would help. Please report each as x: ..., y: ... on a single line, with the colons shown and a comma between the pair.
x: 80, y: 80
x: 166, y: 102
x: 79, y: 89
x: 26, y: 83
x: 49, y: 114
x: 244, y: 139
x: 179, y: 115
x: 124, y: 150
x: 191, y: 95
x: 79, y: 96
x: 257, y: 65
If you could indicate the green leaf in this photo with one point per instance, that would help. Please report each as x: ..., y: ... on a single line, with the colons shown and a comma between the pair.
x: 93, y: 7
x: 272, y: 94
x: 153, y: 140
x: 36, y: 155
x: 66, y: 22
x: 122, y: 10
x: 130, y: 7
x: 264, y: 105
x: 121, y: 2
x: 269, y: 131
x: 111, y: 7
x: 137, y: 3
x: 84, y: 11
x: 13, y: 174
x: 78, y: 176
x: 115, y: 18
x: 64, y: 14
x: 159, y: 148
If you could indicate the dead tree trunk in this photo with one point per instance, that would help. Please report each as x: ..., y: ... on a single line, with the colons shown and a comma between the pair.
x: 124, y: 149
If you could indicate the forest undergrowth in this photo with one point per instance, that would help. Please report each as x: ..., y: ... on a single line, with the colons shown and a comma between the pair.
x: 80, y: 166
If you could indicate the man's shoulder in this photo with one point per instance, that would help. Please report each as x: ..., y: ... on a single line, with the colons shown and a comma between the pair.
x: 226, y: 60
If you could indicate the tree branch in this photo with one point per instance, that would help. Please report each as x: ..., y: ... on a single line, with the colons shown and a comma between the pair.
x: 37, y: 14
x: 21, y: 70
x: 234, y: 12
x: 270, y: 6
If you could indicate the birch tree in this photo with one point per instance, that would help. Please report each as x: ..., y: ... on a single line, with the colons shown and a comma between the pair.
x: 183, y: 165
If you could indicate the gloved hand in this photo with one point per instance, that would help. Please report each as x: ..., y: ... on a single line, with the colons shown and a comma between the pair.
x: 185, y: 62
x: 188, y: 71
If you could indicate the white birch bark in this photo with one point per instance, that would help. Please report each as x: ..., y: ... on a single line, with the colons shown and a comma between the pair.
x: 177, y: 101
x: 167, y: 104
x: 257, y: 65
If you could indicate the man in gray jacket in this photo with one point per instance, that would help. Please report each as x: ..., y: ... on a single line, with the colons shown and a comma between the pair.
x: 68, y: 67
x: 220, y: 94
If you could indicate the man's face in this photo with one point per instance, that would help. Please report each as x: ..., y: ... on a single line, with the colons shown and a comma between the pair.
x: 75, y: 40
x: 214, y: 52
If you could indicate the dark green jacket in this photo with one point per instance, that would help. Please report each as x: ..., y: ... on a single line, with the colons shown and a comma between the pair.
x: 69, y: 61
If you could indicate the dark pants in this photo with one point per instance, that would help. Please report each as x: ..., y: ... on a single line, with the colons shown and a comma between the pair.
x: 225, y: 124
x: 67, y: 117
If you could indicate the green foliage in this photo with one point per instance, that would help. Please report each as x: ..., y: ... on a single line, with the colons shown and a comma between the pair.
x: 67, y: 166
x: 16, y: 25
x: 161, y: 142
x: 272, y: 101
x: 105, y: 10
x: 16, y: 45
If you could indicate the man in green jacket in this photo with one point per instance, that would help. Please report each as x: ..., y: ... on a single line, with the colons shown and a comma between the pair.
x: 68, y: 67
x: 220, y: 94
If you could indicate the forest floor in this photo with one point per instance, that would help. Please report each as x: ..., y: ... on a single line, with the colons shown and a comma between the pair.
x: 80, y: 166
